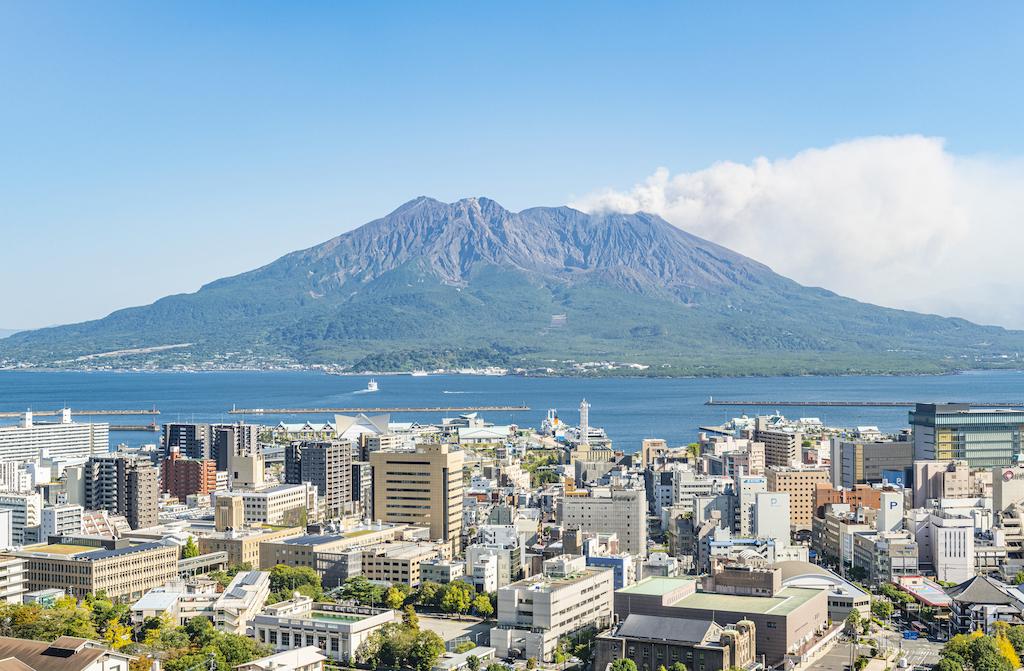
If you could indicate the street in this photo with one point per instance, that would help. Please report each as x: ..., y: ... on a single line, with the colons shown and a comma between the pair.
x: 919, y: 653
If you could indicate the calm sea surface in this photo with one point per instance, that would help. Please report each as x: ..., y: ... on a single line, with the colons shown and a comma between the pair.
x: 628, y: 409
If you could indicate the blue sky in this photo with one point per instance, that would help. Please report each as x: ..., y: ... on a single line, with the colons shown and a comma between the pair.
x: 149, y: 148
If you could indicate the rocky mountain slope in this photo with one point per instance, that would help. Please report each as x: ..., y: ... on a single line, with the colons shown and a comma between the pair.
x: 435, y: 276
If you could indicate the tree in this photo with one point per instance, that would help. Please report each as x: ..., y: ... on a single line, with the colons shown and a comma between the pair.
x: 1006, y: 650
x: 363, y: 591
x: 947, y: 664
x: 286, y: 579
x: 1016, y: 637
x: 678, y: 666
x: 394, y: 599
x: 881, y: 609
x: 531, y: 663
x: 191, y: 549
x: 425, y: 652
x: 623, y: 665
x: 496, y: 667
x: 661, y: 667
x: 482, y: 604
x: 984, y: 655
x: 853, y: 619
x: 473, y: 662
x: 465, y: 646
x: 409, y: 619
x: 118, y: 635
x: 394, y: 644
x: 457, y: 598
x: 1019, y: 578
x: 858, y: 573
x: 428, y: 593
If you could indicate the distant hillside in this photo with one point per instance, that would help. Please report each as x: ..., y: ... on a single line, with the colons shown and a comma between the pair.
x: 434, y: 277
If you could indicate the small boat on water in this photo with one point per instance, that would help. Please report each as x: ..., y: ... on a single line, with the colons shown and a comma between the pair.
x: 372, y: 385
x: 419, y: 373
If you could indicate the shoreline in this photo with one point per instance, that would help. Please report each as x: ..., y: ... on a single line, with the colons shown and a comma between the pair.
x: 582, y: 376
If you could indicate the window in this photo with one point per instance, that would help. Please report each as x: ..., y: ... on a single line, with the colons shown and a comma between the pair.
x: 771, y: 625
x: 632, y: 651
x: 647, y: 651
x: 273, y: 637
x: 285, y: 638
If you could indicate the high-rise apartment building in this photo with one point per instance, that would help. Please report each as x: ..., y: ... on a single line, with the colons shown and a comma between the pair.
x: 421, y: 487
x: 983, y: 437
x: 240, y: 440
x: 64, y: 439
x: 781, y: 448
x: 182, y: 477
x: 124, y: 485
x: 194, y: 441
x: 327, y: 465
x: 362, y: 489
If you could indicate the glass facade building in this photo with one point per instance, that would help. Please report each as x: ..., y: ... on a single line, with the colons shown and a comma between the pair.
x: 983, y: 437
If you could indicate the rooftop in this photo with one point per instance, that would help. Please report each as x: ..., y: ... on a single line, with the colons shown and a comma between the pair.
x: 312, y: 539
x: 783, y: 603
x: 656, y: 586
x: 674, y: 629
x: 540, y: 582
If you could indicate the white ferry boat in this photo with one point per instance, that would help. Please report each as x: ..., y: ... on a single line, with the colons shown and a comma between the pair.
x: 372, y: 385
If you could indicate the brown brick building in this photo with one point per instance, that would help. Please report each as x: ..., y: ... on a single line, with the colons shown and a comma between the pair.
x: 861, y: 495
x: 799, y: 483
x: 182, y: 477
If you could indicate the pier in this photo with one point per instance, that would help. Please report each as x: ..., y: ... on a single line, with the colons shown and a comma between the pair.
x: 332, y: 411
x: 80, y: 413
x: 134, y: 427
x: 849, y: 404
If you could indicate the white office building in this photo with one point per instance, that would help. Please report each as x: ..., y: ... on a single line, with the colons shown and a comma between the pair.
x: 534, y: 613
x: 771, y: 516
x: 271, y: 505
x: 60, y: 520
x: 12, y: 580
x: 24, y: 512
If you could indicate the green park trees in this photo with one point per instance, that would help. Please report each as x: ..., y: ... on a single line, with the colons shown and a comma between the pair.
x: 400, y: 643
x: 284, y: 580
x: 457, y: 598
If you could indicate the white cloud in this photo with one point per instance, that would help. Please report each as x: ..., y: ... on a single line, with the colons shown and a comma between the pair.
x: 888, y: 220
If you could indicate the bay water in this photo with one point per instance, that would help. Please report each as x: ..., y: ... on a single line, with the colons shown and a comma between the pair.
x: 629, y: 409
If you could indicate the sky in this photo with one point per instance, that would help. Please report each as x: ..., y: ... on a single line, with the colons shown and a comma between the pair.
x: 874, y: 149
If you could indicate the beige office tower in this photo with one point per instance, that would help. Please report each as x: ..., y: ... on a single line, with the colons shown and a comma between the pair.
x: 421, y: 487
x: 229, y: 512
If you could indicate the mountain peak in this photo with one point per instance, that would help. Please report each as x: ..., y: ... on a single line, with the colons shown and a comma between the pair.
x: 472, y: 274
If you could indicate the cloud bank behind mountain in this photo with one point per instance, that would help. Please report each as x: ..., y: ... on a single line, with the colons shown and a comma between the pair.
x: 896, y: 221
